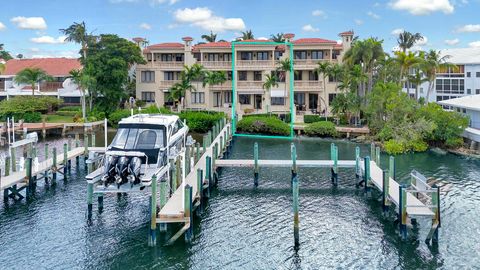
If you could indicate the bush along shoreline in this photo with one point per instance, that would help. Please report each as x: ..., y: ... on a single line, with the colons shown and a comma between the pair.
x: 263, y: 125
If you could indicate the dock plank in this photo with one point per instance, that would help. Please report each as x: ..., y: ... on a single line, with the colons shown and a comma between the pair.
x: 283, y: 163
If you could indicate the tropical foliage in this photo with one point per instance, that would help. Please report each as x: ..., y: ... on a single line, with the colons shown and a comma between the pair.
x: 321, y: 129
x: 32, y: 76
x: 263, y: 125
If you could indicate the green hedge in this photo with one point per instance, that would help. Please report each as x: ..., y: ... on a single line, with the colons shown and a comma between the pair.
x: 19, y: 105
x: 316, y: 118
x: 322, y: 128
x: 68, y: 113
x: 70, y: 109
x: 263, y: 125
x: 199, y: 121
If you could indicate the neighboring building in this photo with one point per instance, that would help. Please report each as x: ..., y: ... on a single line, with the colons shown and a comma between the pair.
x: 470, y: 106
x: 453, y: 83
x: 253, y: 62
x: 59, y: 68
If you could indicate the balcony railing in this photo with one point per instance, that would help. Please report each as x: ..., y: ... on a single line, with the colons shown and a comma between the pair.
x: 50, y: 86
x: 166, y: 64
x: 306, y: 63
x: 168, y: 84
x: 314, y: 85
x: 255, y: 63
x: 250, y: 84
x: 224, y: 86
x: 217, y: 64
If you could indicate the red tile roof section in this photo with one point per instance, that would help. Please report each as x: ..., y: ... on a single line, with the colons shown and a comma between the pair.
x: 213, y: 45
x: 53, y: 66
x: 347, y: 33
x: 313, y: 41
x: 169, y: 45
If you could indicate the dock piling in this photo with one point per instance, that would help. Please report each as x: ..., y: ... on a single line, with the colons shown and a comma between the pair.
x: 65, y: 161
x: 357, y: 164
x: 14, y: 159
x: 377, y: 155
x: 163, y: 200
x: 402, y: 211
x: 437, y: 220
x: 152, y: 240
x: 54, y: 164
x: 386, y: 186
x: 89, y: 200
x: 188, y: 213
x: 372, y: 151
x: 391, y: 167
x: 200, y: 191
x: 255, y: 170
x: 366, y: 177
x: 30, y: 182
x: 208, y: 174
x: 295, y: 193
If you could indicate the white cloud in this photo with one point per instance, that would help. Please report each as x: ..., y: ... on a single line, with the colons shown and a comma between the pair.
x: 422, y: 42
x: 377, y: 4
x: 2, y: 26
x: 452, y: 42
x: 373, y: 15
x: 35, y: 23
x: 262, y: 38
x: 48, y: 40
x: 145, y: 26
x: 469, y: 28
x: 474, y: 44
x: 423, y: 7
x: 204, y: 18
x: 319, y: 13
x: 36, y: 53
x: 358, y: 22
x: 309, y: 28
x: 170, y: 2
x: 171, y: 26
x: 397, y: 31
x: 34, y: 49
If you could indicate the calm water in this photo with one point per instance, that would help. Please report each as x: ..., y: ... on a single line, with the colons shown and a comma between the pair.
x: 247, y: 228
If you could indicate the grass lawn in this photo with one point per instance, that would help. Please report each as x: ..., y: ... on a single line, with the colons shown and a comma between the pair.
x: 53, y: 118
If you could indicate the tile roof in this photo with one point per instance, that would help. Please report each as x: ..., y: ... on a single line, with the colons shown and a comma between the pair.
x: 52, y: 66
x: 346, y: 33
x: 168, y: 45
x: 213, y: 45
x: 313, y: 41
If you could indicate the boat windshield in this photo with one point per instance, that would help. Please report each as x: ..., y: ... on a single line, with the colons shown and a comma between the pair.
x: 137, y: 139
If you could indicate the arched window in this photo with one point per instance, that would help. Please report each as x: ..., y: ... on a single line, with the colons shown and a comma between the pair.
x: 146, y: 139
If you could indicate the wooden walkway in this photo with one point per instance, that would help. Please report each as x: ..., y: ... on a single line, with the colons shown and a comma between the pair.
x: 283, y: 163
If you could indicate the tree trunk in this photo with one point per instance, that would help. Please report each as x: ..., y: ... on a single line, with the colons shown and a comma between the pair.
x: 33, y: 89
x: 430, y: 84
x: 416, y: 92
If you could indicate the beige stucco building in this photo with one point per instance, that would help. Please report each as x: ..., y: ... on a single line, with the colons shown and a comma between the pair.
x: 253, y: 62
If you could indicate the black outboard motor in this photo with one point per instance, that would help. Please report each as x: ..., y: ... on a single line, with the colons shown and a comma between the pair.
x: 134, y: 171
x: 110, y: 170
x: 122, y: 171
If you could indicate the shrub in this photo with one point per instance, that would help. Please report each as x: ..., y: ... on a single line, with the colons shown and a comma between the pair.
x: 263, y: 125
x: 454, y: 142
x: 199, y: 121
x: 22, y: 104
x: 116, y: 116
x: 70, y: 109
x: 140, y: 103
x: 315, y: 118
x: 67, y: 113
x: 393, y: 147
x: 322, y: 128
x: 30, y: 117
x: 418, y: 146
x: 261, y: 115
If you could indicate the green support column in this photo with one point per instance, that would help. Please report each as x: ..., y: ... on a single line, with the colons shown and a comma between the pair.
x: 221, y: 147
x: 204, y: 143
x: 377, y: 155
x: 402, y: 211
x: 357, y: 163
x: 295, y: 193
x: 391, y: 167
x: 335, y: 166
x: 200, y: 191
x: 65, y: 161
x: 255, y: 168
x: 197, y: 152
x: 89, y: 200
x: 152, y: 240
x: 372, y: 151
x: 163, y: 200
x: 208, y: 175
x: 14, y: 160
x: 366, y: 177
x: 54, y: 165
x: 385, y: 190
x: 188, y: 213
x: 209, y: 138
x: 30, y: 182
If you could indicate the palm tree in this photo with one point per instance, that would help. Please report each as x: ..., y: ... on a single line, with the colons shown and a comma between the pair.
x: 179, y: 90
x: 277, y: 37
x: 77, y: 33
x: 247, y: 35
x: 432, y: 62
x: 323, y: 68
x: 193, y: 73
x: 32, y: 76
x: 417, y: 78
x: 214, y: 78
x: 2, y: 68
x: 335, y: 71
x: 84, y: 82
x: 210, y: 38
x: 271, y: 81
x: 406, y: 61
x: 406, y: 40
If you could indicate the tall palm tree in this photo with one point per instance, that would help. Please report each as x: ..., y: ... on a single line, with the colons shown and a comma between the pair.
x: 322, y: 70
x: 335, y: 71
x: 84, y: 82
x: 32, y: 76
x: 210, y: 38
x: 247, y: 35
x: 213, y: 78
x: 417, y: 78
x: 193, y: 73
x: 406, y: 40
x: 406, y: 61
x: 179, y: 90
x: 77, y: 32
x: 432, y: 62
x: 270, y: 82
x: 277, y: 37
x: 2, y: 68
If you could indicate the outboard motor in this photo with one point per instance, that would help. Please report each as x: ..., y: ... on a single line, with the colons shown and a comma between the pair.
x: 109, y: 170
x: 121, y: 170
x: 134, y: 170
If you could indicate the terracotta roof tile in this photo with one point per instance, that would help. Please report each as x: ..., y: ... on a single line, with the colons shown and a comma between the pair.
x: 213, y: 45
x: 313, y: 41
x: 52, y: 66
x: 168, y: 45
x: 347, y: 33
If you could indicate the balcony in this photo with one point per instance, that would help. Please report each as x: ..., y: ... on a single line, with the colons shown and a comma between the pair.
x: 224, y: 86
x: 308, y: 63
x: 308, y: 85
x: 250, y: 85
x: 50, y: 86
x: 165, y: 64
x: 168, y: 84
x: 217, y: 65
x: 255, y: 64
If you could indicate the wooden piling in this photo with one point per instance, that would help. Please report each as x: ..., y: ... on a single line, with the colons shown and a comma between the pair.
x: 385, y: 189
x: 377, y: 155
x: 256, y: 169
x: 163, y: 200
x: 197, y: 152
x: 200, y: 193
x: 204, y: 143
x: 295, y: 193
x: 366, y: 177
x: 100, y: 202
x: 208, y: 175
x: 357, y: 163
x: 152, y: 240
x: 402, y: 195
x: 436, y: 217
x: 77, y: 144
x: 14, y: 159
x: 30, y: 182
x: 188, y: 213
x: 187, y: 160
x: 391, y: 167
x: 178, y: 173
x: 372, y: 151
x: 54, y: 164
x: 89, y: 200
x: 65, y: 161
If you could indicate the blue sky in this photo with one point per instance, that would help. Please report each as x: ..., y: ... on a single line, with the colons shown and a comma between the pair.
x: 31, y: 27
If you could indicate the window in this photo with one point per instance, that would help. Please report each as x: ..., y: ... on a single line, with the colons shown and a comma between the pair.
x: 469, y: 91
x: 212, y: 57
x: 148, y: 76
x: 477, y: 74
x: 227, y: 57
x: 262, y: 55
x: 300, y: 55
x: 69, y: 100
x: 179, y: 57
x: 229, y: 75
x: 244, y: 99
x: 278, y: 54
x: 169, y: 75
x: 217, y: 99
x: 227, y: 97
x: 464, y: 110
x: 246, y: 56
x: 134, y: 138
x: 148, y: 96
x: 242, y: 75
x: 450, y: 86
x: 477, y: 91
x: 278, y: 101
x: 297, y: 75
x: 299, y: 98
x: 166, y: 57
x: 177, y: 126
x: 312, y: 76
x: 331, y: 97
x: 317, y: 54
x: 257, y: 75
x: 469, y: 74
x: 198, y: 98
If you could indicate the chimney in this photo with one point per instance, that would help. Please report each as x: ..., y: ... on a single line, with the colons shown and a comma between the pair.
x: 289, y: 36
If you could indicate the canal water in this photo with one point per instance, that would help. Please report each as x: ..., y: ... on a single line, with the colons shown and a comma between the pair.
x: 252, y: 228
